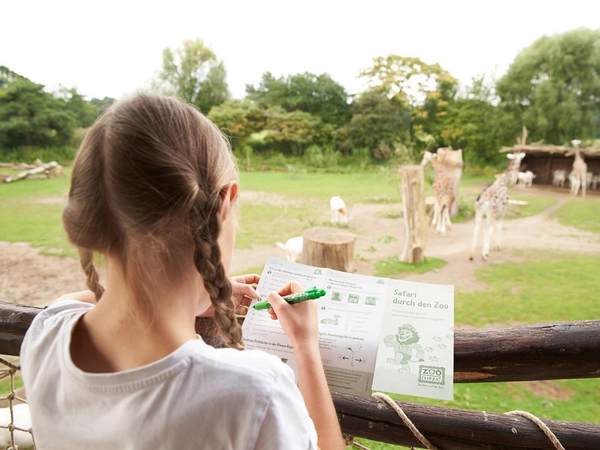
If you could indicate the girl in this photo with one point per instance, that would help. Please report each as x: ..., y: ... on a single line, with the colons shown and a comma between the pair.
x: 154, y: 190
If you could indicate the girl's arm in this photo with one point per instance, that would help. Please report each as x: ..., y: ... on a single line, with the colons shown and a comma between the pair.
x: 300, y: 323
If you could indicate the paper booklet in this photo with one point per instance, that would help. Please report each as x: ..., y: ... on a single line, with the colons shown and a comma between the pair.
x: 375, y: 333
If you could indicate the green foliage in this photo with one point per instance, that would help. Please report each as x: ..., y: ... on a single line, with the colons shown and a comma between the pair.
x: 62, y: 155
x: 29, y: 116
x: 552, y: 87
x: 193, y: 73
x: 85, y: 112
x: 238, y: 119
x: 318, y: 95
x: 377, y: 124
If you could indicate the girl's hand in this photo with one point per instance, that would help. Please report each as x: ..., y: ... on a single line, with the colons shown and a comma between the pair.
x: 299, y: 321
x: 242, y: 292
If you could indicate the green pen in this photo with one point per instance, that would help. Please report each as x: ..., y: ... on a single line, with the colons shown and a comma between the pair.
x: 309, y: 294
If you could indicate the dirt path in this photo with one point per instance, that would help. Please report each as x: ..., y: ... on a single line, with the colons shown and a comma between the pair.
x: 29, y: 278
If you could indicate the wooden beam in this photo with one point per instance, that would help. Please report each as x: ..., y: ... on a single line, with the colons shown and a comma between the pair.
x: 454, y: 429
x: 520, y: 353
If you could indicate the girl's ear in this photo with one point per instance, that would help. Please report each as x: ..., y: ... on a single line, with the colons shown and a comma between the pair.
x: 228, y: 195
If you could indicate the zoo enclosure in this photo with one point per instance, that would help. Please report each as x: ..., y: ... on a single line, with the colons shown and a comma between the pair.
x: 519, y: 353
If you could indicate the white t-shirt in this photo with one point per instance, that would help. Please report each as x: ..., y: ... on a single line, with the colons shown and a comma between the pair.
x: 198, y: 397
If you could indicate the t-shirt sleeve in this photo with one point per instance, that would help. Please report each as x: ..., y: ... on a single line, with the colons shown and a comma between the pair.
x: 286, y: 423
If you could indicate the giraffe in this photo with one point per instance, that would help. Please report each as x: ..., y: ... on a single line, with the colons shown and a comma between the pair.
x: 453, y: 161
x: 578, y: 176
x: 443, y: 189
x: 491, y: 204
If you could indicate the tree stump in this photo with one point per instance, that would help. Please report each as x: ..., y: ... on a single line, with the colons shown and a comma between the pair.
x: 328, y: 247
x: 415, y: 219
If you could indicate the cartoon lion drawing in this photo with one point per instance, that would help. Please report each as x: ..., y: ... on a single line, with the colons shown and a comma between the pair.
x: 405, y: 342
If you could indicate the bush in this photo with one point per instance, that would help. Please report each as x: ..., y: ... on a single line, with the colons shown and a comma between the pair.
x: 63, y: 155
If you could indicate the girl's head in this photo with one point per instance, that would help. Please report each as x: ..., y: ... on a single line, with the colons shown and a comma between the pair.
x: 147, y: 185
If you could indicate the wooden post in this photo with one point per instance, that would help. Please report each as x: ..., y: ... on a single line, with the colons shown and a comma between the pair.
x: 328, y: 247
x: 413, y: 208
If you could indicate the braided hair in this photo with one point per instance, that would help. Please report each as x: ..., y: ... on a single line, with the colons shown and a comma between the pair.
x: 147, y: 181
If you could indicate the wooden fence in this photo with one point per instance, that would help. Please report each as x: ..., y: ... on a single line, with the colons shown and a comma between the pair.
x: 520, y: 353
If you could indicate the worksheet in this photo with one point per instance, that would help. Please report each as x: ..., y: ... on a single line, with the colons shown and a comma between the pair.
x: 375, y: 333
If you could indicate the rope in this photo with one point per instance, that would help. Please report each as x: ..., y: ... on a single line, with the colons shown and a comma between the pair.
x: 406, y: 420
x: 542, y: 425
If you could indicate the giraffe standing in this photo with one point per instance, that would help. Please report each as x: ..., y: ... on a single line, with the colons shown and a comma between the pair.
x: 491, y: 204
x: 578, y: 176
x: 443, y: 189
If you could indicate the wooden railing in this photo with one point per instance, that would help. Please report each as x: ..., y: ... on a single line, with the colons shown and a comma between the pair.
x: 520, y: 353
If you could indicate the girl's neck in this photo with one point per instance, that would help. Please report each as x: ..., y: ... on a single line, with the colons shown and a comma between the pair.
x: 121, y: 332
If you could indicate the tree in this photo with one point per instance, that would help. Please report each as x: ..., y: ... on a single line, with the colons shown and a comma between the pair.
x: 553, y: 87
x: 29, y: 116
x: 85, y: 112
x: 423, y: 90
x: 238, y: 119
x: 318, y: 95
x: 378, y: 123
x: 475, y: 124
x: 193, y: 73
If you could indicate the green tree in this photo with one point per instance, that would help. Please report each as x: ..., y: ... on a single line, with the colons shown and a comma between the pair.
x: 553, y: 87
x: 84, y: 111
x: 291, y: 132
x: 102, y: 103
x: 422, y: 90
x: 194, y: 73
x: 29, y: 116
x: 318, y: 95
x: 378, y: 123
x: 239, y: 119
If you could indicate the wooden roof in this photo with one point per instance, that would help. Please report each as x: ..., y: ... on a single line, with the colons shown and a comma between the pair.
x: 541, y: 149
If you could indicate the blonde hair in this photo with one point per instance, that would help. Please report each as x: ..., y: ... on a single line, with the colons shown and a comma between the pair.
x: 147, y: 178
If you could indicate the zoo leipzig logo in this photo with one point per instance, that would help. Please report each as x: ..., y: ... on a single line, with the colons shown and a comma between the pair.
x: 432, y: 375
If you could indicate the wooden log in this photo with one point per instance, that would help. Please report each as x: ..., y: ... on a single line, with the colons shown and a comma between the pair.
x: 552, y: 351
x: 456, y: 429
x: 413, y: 210
x: 328, y: 247
x: 529, y: 352
x: 50, y: 169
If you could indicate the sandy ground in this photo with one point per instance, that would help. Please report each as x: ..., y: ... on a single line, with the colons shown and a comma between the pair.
x: 29, y: 278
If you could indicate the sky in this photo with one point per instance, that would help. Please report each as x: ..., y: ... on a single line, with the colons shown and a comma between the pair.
x: 113, y: 48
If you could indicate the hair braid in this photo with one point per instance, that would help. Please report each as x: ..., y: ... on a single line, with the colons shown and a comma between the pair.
x: 86, y: 258
x: 207, y: 258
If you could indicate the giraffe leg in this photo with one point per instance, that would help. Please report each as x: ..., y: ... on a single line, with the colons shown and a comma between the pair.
x: 487, y: 236
x: 499, y: 232
x: 436, y: 214
x: 583, y: 183
x: 478, y: 217
x: 441, y: 227
x: 447, y: 215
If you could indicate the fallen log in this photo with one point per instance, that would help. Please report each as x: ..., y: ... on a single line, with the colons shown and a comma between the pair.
x: 51, y: 169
